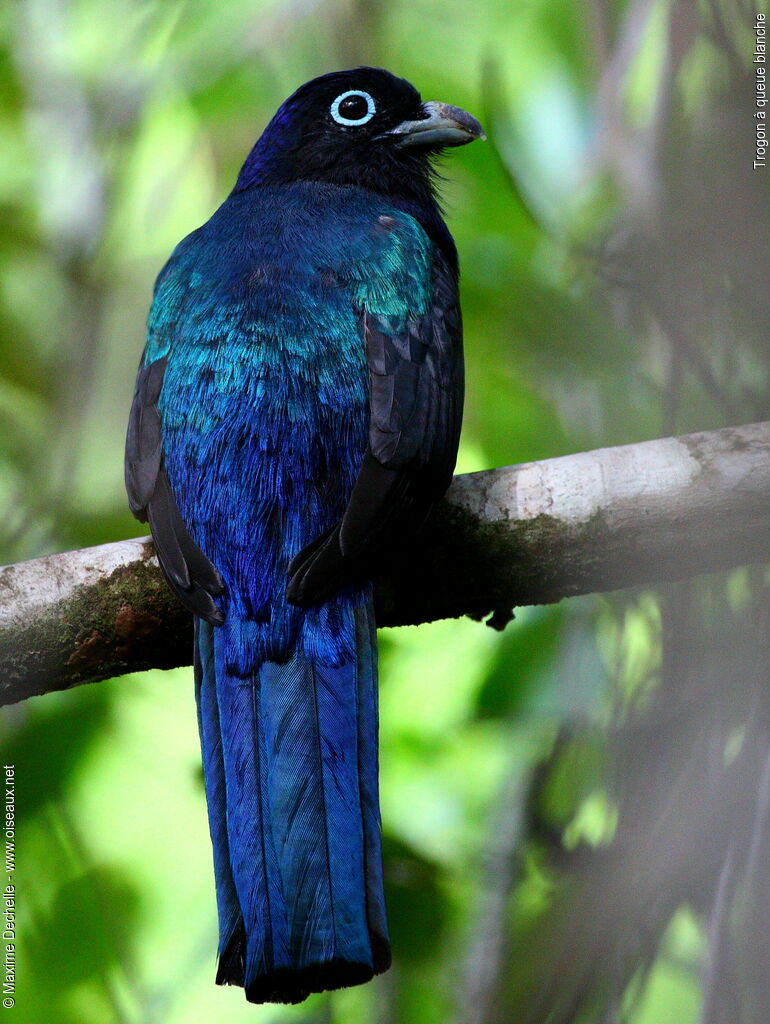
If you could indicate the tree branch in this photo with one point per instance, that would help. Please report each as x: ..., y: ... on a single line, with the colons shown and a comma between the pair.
x: 529, y: 534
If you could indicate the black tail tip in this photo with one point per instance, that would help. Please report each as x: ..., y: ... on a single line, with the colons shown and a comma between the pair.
x: 293, y: 985
x: 230, y: 970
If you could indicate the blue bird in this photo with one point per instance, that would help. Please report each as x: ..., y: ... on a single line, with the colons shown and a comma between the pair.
x: 296, y: 417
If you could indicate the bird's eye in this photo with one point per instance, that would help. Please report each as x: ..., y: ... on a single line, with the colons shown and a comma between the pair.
x: 353, y: 108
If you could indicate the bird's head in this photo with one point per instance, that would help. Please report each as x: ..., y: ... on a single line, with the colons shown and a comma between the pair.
x: 363, y: 127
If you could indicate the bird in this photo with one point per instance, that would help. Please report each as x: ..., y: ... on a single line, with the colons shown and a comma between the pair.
x: 295, y: 420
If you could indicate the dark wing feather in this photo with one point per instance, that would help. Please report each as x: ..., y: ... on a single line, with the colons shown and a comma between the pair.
x: 191, y: 575
x: 416, y: 401
x: 143, y: 440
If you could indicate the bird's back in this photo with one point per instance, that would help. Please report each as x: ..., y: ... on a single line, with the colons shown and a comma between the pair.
x: 265, y: 398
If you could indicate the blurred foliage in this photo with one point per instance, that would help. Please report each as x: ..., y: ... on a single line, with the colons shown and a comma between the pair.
x: 575, y: 811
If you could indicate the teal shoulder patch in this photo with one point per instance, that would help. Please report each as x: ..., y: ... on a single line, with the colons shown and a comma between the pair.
x: 393, y: 280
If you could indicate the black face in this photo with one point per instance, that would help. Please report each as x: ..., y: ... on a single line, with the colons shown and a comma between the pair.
x: 363, y: 127
x: 347, y: 109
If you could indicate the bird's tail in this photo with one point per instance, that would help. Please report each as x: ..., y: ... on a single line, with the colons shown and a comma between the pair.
x: 290, y: 764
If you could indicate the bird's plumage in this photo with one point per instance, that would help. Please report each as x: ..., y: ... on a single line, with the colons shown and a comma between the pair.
x: 296, y: 415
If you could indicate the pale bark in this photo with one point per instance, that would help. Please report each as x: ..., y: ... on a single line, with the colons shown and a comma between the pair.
x: 529, y: 534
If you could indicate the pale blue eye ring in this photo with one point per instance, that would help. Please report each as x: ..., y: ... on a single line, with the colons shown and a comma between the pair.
x: 354, y: 94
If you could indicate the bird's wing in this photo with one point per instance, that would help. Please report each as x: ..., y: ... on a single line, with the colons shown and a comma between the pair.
x: 190, y: 573
x: 416, y: 398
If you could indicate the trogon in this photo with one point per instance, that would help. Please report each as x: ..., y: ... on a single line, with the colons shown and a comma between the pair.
x: 295, y: 419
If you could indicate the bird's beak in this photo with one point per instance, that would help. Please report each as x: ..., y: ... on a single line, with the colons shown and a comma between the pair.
x: 443, y: 125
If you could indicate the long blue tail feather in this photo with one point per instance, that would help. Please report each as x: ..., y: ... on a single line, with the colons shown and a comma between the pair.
x: 252, y: 854
x: 290, y: 757
x: 368, y: 773
x: 231, y: 942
